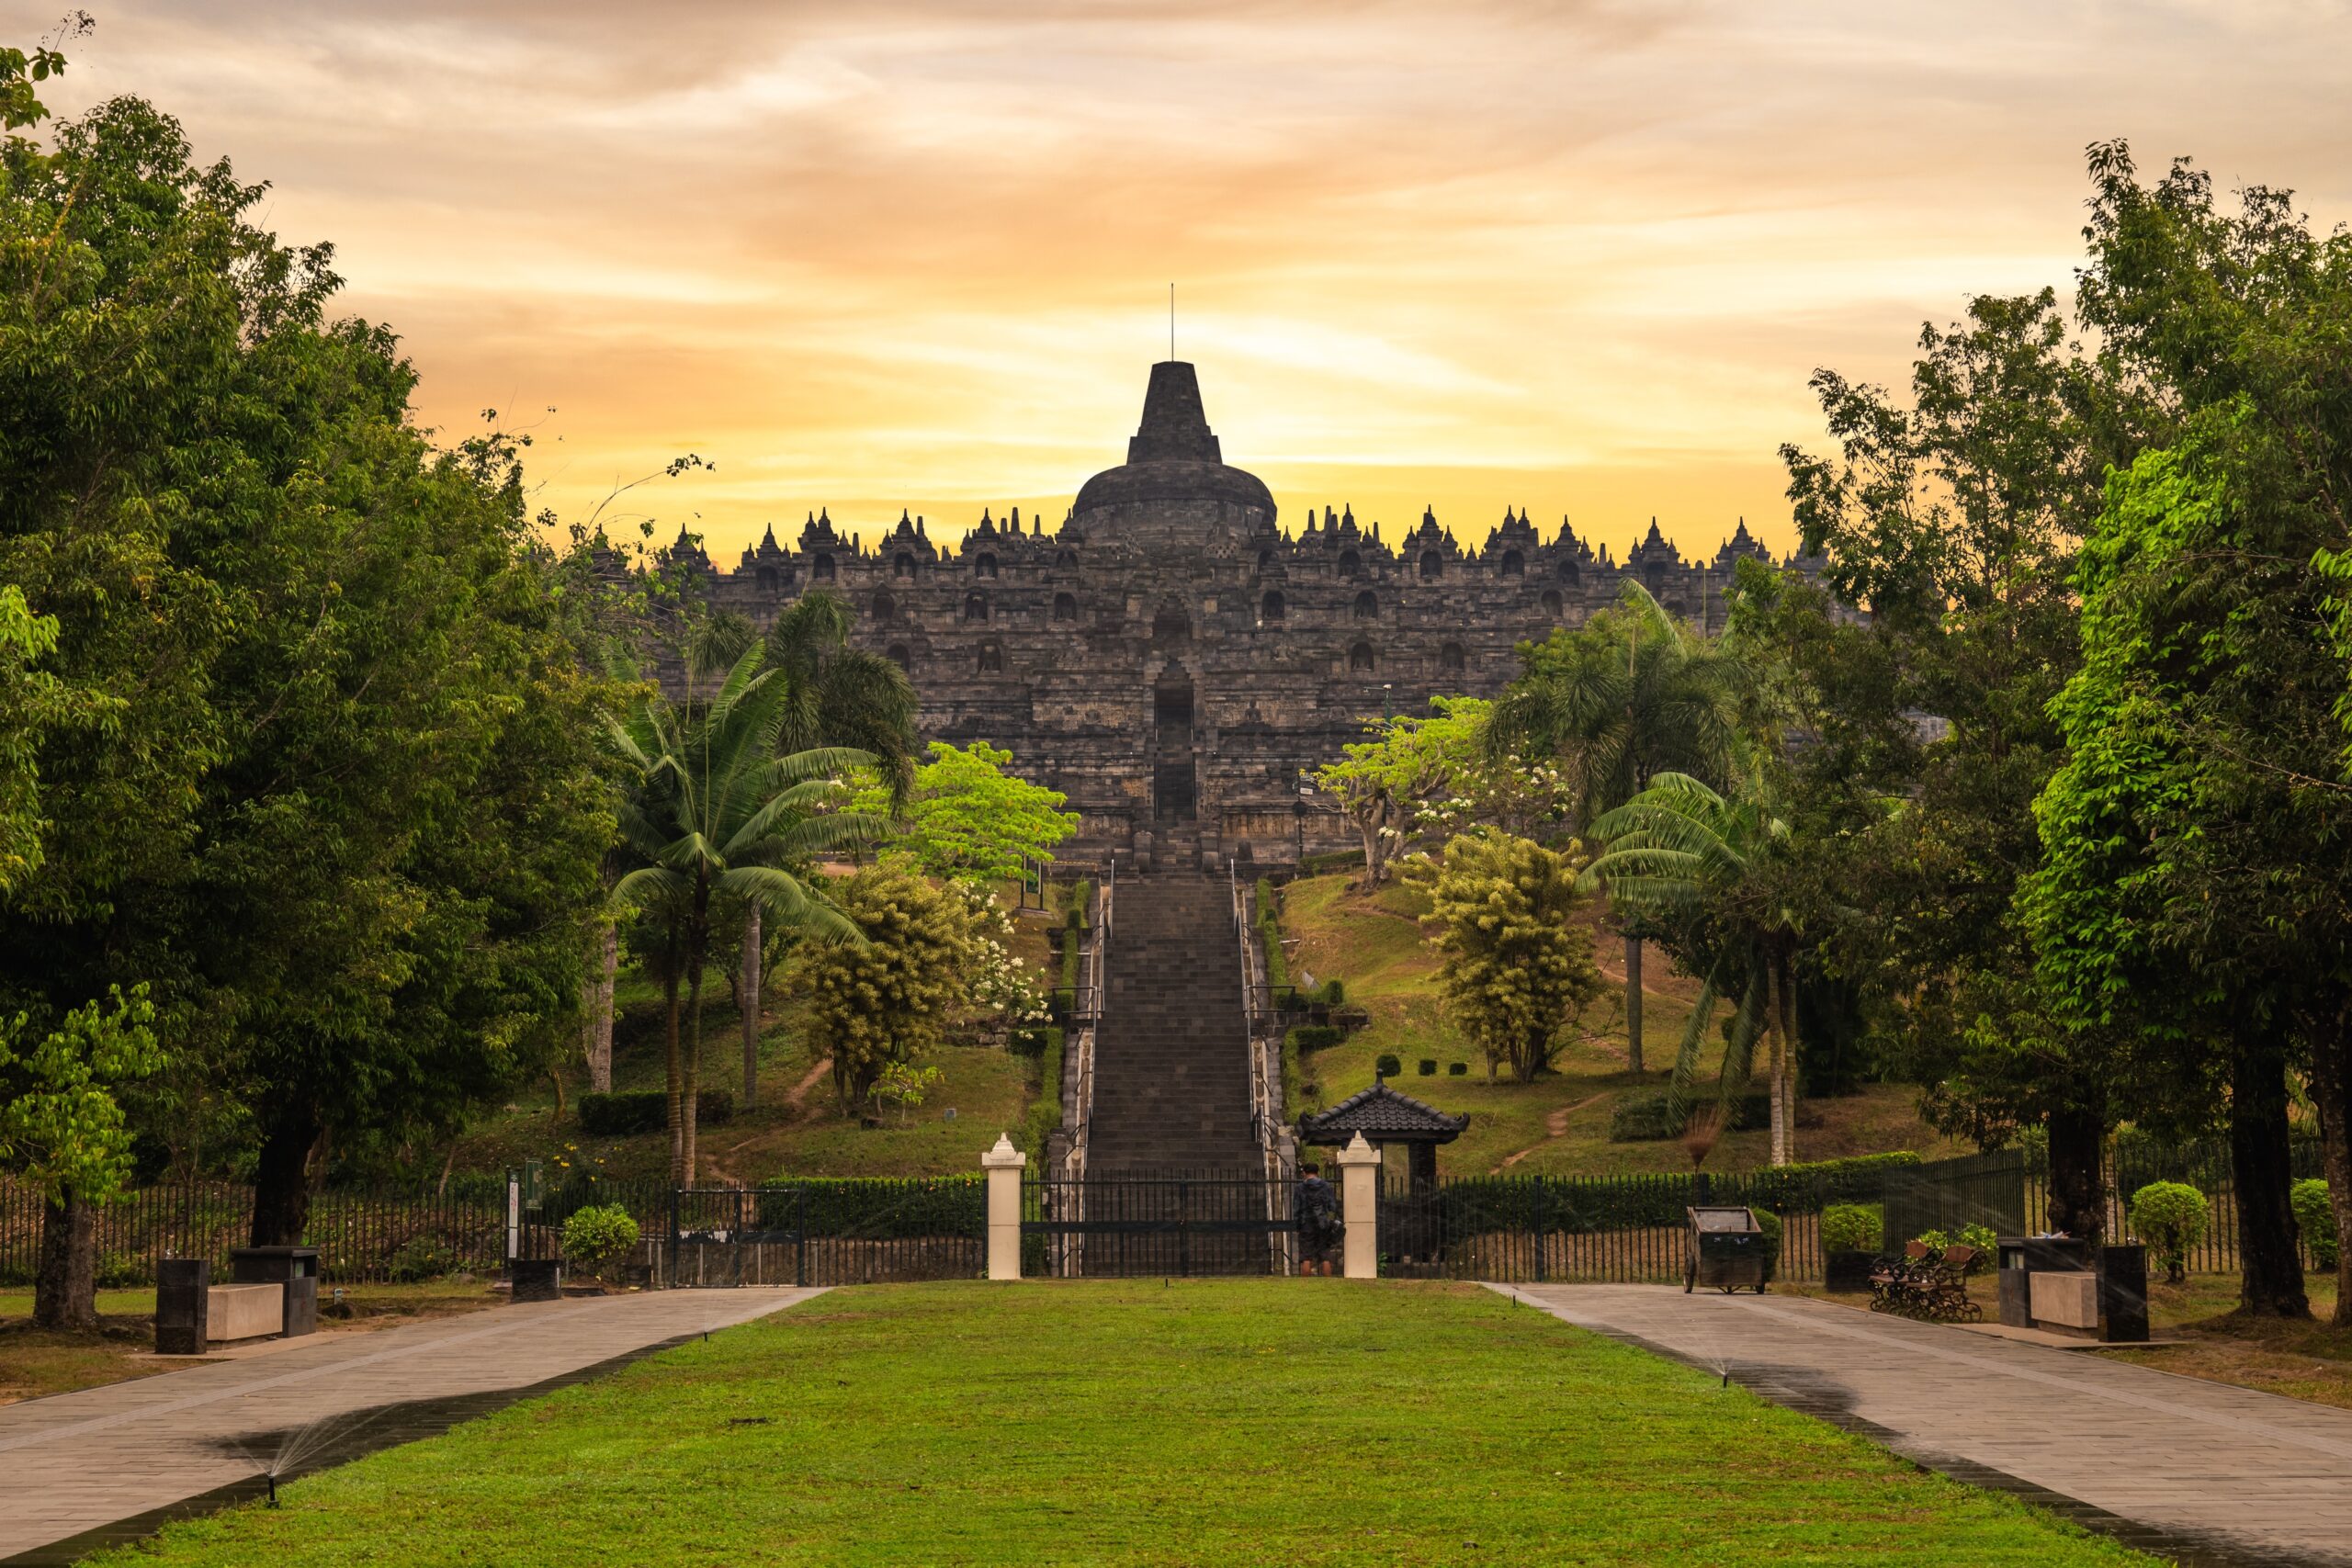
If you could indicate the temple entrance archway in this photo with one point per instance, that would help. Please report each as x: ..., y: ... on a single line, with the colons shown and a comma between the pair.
x: 1175, y: 791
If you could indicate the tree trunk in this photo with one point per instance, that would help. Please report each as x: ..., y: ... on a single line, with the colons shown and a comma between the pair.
x: 2271, y: 1284
x: 66, y: 1277
x: 1634, y: 1003
x: 750, y: 988
x: 2331, y: 1090
x: 600, y: 1013
x: 690, y: 1108
x: 1789, y: 1045
x: 1772, y: 1053
x: 676, y: 1066
x: 2077, y: 1194
x: 555, y: 1076
x: 282, y: 1175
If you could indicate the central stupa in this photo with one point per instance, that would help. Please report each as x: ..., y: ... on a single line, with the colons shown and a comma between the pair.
x: 1174, y: 488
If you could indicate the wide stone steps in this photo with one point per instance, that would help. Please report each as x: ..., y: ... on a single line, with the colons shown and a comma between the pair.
x: 1171, y: 1065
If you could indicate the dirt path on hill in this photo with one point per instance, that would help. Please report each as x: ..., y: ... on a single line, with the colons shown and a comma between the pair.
x: 715, y: 1165
x: 1556, y: 1126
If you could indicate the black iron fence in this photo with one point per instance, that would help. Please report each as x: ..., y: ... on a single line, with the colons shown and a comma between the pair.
x: 374, y: 1237
x: 1608, y: 1229
x: 822, y: 1232
x: 1217, y: 1223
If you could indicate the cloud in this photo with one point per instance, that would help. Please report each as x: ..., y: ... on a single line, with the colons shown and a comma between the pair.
x: 1576, y: 257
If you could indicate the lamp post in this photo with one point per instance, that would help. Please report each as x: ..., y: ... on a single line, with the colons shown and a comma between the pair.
x: 1298, y: 820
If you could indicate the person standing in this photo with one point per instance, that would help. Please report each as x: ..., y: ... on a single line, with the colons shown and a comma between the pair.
x: 1317, y: 1209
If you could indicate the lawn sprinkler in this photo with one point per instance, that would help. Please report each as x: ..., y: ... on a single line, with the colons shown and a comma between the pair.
x: 271, y: 1476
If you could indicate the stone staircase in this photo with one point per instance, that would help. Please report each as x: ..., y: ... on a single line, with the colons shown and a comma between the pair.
x: 1171, y: 1063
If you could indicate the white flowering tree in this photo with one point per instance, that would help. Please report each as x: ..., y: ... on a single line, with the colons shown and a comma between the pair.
x: 1425, y: 778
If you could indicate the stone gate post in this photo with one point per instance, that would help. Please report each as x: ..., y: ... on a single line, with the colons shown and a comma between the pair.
x: 1359, y: 1206
x: 1003, y: 1163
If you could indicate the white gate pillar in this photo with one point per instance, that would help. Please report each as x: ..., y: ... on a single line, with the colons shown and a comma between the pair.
x: 1359, y: 1205
x: 1004, y: 1164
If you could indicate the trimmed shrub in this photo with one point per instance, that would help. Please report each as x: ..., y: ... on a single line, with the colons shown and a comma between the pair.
x: 878, y: 1209
x: 1426, y: 1067
x: 2171, y: 1217
x: 1580, y: 1204
x: 1044, y: 1113
x: 1315, y: 1036
x: 1646, y: 1118
x: 1387, y: 1065
x: 1035, y: 1040
x: 1457, y: 1069
x: 2317, y: 1219
x: 620, y: 1115
x: 1331, y: 860
x: 1981, y: 1238
x: 1769, y: 1223
x: 419, y: 1258
x: 597, y: 1236
x: 1332, y: 993
x: 1852, y: 1227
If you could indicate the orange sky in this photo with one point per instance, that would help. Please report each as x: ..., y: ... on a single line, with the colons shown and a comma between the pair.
x: 865, y: 256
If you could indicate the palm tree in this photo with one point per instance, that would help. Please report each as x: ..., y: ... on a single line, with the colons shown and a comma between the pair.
x: 833, y: 695
x: 713, y: 813
x: 1678, y: 850
x: 1630, y: 695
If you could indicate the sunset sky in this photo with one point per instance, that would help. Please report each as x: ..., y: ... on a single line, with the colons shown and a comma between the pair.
x: 865, y: 256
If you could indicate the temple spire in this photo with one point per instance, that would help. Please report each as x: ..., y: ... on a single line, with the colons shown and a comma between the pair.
x: 1174, y: 428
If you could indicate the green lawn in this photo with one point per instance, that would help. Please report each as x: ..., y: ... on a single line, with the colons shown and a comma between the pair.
x: 1204, y: 1422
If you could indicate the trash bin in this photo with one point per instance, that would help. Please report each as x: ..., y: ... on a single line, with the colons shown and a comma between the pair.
x: 296, y: 1268
x: 1728, y: 1250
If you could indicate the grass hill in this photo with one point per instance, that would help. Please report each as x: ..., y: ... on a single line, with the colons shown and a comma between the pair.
x: 1558, y: 1124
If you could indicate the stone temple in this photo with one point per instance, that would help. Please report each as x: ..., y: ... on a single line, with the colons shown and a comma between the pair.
x: 1178, y: 662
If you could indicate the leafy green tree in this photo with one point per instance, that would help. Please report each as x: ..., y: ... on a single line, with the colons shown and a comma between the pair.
x: 1630, y: 694
x: 334, y: 792
x: 715, y: 816
x: 888, y: 1000
x: 1953, y: 515
x: 32, y: 703
x: 1679, y: 851
x: 1518, y: 969
x: 62, y: 1126
x: 2195, y: 892
x: 969, y: 820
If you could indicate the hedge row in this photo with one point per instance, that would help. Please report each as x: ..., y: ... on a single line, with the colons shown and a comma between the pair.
x: 1646, y: 1117
x: 879, y: 1209
x: 1578, y: 1203
x: 648, y: 1110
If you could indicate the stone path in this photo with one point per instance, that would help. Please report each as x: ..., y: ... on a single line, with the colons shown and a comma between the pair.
x: 2199, y: 1472
x: 79, y: 1463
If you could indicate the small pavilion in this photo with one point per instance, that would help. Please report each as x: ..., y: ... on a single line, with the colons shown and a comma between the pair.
x: 1385, y: 1117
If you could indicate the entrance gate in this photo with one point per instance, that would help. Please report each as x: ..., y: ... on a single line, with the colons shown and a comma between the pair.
x: 1111, y: 1228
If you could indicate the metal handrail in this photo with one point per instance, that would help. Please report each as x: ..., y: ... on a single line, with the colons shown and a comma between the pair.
x: 1264, y: 1043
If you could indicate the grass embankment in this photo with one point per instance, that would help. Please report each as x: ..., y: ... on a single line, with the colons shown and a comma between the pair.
x: 1559, y: 1123
x: 796, y: 1129
x: 34, y: 1363
x: 1202, y: 1423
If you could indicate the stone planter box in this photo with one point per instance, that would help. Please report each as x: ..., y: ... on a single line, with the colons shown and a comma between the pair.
x: 538, y: 1279
x: 1847, y: 1273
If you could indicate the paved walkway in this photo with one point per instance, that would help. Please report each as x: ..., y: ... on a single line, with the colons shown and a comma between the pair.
x: 77, y: 1464
x: 2199, y: 1470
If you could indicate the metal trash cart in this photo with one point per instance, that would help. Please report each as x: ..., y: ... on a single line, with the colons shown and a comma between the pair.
x: 1728, y: 1250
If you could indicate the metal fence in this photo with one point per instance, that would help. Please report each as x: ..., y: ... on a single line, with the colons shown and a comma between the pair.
x: 376, y: 1235
x: 825, y: 1233
x: 1158, y: 1226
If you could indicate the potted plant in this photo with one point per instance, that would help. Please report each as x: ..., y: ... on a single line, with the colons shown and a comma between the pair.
x: 1850, y: 1240
x: 596, y: 1238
